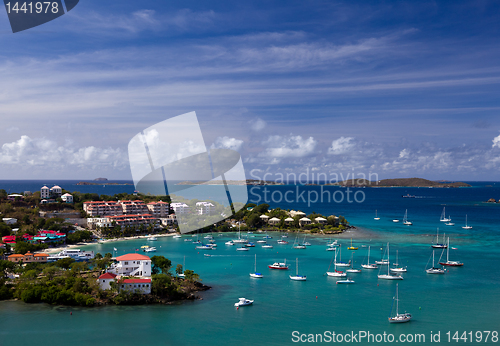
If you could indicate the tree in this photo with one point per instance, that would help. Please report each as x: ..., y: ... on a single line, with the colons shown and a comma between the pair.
x: 5, y: 267
x: 64, y: 263
x: 191, y: 276
x: 160, y: 263
x: 179, y: 269
x: 253, y: 220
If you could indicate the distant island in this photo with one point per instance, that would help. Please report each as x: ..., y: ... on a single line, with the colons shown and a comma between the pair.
x: 89, y: 183
x: 101, y: 179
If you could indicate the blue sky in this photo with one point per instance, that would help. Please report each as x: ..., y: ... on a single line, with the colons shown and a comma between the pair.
x: 400, y: 89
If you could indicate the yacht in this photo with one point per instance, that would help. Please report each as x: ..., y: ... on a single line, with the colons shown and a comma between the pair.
x: 297, y: 277
x: 243, y: 302
x: 399, y: 318
x: 434, y: 270
x: 278, y: 265
x: 76, y: 254
x: 368, y: 265
x: 389, y: 275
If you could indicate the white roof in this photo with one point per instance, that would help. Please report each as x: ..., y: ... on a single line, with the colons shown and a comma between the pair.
x: 179, y: 205
x: 55, y: 187
x: 44, y: 187
x: 264, y: 217
x: 67, y: 195
x: 15, y: 195
x: 274, y: 219
x: 288, y: 219
x: 320, y: 219
x: 304, y: 219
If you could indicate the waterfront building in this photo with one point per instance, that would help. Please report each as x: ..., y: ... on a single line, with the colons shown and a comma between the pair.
x: 142, y: 286
x: 101, y: 208
x: 134, y: 207
x: 132, y: 264
x: 132, y: 220
x: 105, y: 280
x: 9, y: 220
x: 169, y: 221
x: 159, y: 209
x: 28, y: 258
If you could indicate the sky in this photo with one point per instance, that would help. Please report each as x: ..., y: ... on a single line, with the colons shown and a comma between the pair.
x: 390, y: 88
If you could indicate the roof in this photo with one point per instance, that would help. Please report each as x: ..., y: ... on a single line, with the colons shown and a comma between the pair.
x: 55, y: 187
x: 133, y: 257
x: 319, y: 218
x: 274, y: 219
x: 264, y: 217
x: 137, y: 281
x: 41, y: 255
x: 305, y: 219
x: 16, y: 256
x: 67, y: 194
x: 107, y: 276
x: 289, y: 219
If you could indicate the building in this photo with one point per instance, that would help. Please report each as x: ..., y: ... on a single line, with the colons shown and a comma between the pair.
x: 67, y: 198
x: 205, y: 208
x: 169, y: 221
x: 132, y: 264
x: 45, y: 192
x: 180, y: 208
x: 159, y: 209
x: 9, y: 220
x: 142, y: 286
x: 99, y: 222
x: 105, y: 280
x: 132, y: 220
x: 321, y: 220
x: 13, y: 196
x: 28, y: 258
x: 101, y: 208
x: 55, y: 191
x: 134, y: 207
x: 304, y: 221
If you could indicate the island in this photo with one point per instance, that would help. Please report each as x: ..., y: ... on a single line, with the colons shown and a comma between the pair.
x: 400, y: 182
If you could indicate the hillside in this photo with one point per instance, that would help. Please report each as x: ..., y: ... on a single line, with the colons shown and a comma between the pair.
x: 402, y: 182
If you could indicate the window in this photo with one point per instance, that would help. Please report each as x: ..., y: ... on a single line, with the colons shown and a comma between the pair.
x: 126, y: 263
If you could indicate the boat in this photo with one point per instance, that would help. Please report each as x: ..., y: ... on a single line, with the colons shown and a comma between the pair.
x: 205, y: 247
x: 243, y: 302
x: 368, y: 265
x: 307, y: 243
x: 335, y: 273
x: 340, y: 263
x: 207, y: 255
x: 229, y: 242
x: 448, y: 262
x: 443, y: 217
x: 177, y: 236
x: 282, y: 242
x: 255, y: 274
x: 405, y: 219
x: 150, y: 249
x: 278, y: 265
x: 345, y: 281
x: 376, y: 217
x: 466, y: 226
x: 352, y: 247
x: 208, y: 237
x: 382, y: 261
x: 439, y: 245
x: 352, y: 270
x: 243, y: 248
x: 331, y: 249
x: 261, y: 241
x: 298, y: 245
x: 267, y: 246
x: 239, y: 240
x: 76, y: 254
x: 389, y: 275
x: 249, y: 245
x: 395, y: 220
x: 188, y: 239
x: 297, y: 277
x: 151, y: 238
x: 397, y: 268
x: 332, y: 243
x: 398, y: 318
x: 434, y: 270
x: 450, y: 224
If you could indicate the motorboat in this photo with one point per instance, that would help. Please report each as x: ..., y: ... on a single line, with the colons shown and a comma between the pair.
x: 278, y: 265
x: 243, y: 302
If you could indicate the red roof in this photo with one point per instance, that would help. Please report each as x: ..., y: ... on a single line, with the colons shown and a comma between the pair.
x: 133, y: 257
x: 137, y: 281
x: 107, y: 276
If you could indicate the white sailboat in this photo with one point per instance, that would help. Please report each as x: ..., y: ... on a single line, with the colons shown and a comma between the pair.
x: 397, y: 268
x: 345, y: 281
x: 382, y: 261
x: 335, y: 273
x: 368, y: 265
x: 448, y: 262
x: 353, y: 270
x: 466, y: 226
x: 389, y: 275
x: 434, y: 270
x: 297, y: 277
x: 443, y: 217
x: 255, y: 274
x: 376, y: 217
x: 398, y: 318
x: 405, y: 219
x: 297, y: 245
x: 239, y: 240
x: 439, y: 245
x: 340, y: 263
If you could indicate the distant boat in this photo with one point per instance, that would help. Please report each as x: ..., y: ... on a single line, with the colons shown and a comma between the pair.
x: 243, y: 302
x: 282, y: 242
x: 398, y: 318
x: 229, y: 242
x: 397, y: 268
x: 345, y: 281
x: 255, y: 274
x: 466, y: 226
x: 368, y: 265
x: 267, y: 246
x: 448, y: 262
x: 395, y: 220
x: 439, y: 245
x: 443, y: 217
x: 152, y: 238
x: 177, y: 236
x: 297, y: 245
x: 278, y: 265
x: 335, y: 273
x: 297, y: 277
x: 450, y: 224
x: 243, y: 248
x: 150, y: 249
x: 434, y: 270
x: 389, y: 275
x: 353, y: 270
x: 382, y: 261
x: 405, y: 219
x: 376, y: 217
x: 340, y: 263
x: 352, y: 247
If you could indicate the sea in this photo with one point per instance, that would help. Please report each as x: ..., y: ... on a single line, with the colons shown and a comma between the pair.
x: 459, y: 307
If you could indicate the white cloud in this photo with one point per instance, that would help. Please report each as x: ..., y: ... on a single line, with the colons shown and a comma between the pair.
x: 280, y: 147
x: 496, y: 142
x: 403, y: 154
x: 258, y: 124
x: 227, y: 143
x: 341, y: 146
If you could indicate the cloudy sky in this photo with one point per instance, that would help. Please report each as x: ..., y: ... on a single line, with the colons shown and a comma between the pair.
x: 400, y: 89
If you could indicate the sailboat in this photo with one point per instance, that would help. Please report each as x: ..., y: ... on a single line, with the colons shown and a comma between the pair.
x: 448, y: 262
x: 298, y: 245
x: 239, y: 240
x: 335, y: 273
x: 405, y: 219
x: 443, y: 217
x: 255, y: 274
x: 181, y: 275
x: 340, y: 263
x: 397, y: 268
x: 389, y: 275
x: 434, y: 270
x: 466, y: 227
x: 352, y: 247
x: 297, y: 277
x: 353, y: 270
x: 382, y: 261
x: 439, y: 245
x: 368, y: 265
x: 376, y: 217
x: 398, y: 318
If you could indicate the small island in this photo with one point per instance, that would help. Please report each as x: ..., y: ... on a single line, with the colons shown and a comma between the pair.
x: 400, y: 182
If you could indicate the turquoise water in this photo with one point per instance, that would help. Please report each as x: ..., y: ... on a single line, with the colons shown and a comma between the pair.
x: 465, y: 299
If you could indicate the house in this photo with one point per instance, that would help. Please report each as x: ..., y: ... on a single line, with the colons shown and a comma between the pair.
x: 13, y: 196
x: 105, y: 280
x: 169, y: 221
x: 9, y: 220
x: 28, y: 258
x: 55, y: 191
x: 142, y: 286
x: 304, y: 221
x: 205, y: 208
x: 320, y: 220
x: 274, y: 221
x: 132, y: 264
x: 44, y: 192
x: 180, y: 208
x: 67, y: 198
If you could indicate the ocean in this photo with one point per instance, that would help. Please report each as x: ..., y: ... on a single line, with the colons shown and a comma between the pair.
x: 466, y: 299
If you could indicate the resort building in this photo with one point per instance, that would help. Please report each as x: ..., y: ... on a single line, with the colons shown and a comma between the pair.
x: 28, y: 258
x: 45, y: 192
x: 294, y: 213
x: 205, y: 208
x: 132, y: 264
x: 67, y: 198
x: 105, y: 280
x: 169, y: 221
x: 264, y: 218
x: 53, y: 192
x: 304, y: 221
x: 320, y: 220
x: 13, y: 196
x: 288, y: 220
x: 274, y: 221
x: 101, y: 208
x: 132, y: 220
x: 159, y: 209
x: 134, y: 207
x: 98, y: 222
x: 180, y: 208
x: 142, y: 286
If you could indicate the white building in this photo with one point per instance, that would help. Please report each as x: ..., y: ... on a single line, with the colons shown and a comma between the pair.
x: 180, y: 208
x: 142, y: 286
x: 158, y: 209
x: 105, y: 280
x: 9, y: 220
x: 132, y: 264
x: 169, y: 221
x: 205, y: 208
x: 56, y: 191
x: 67, y: 198
x: 45, y: 192
x: 95, y: 222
